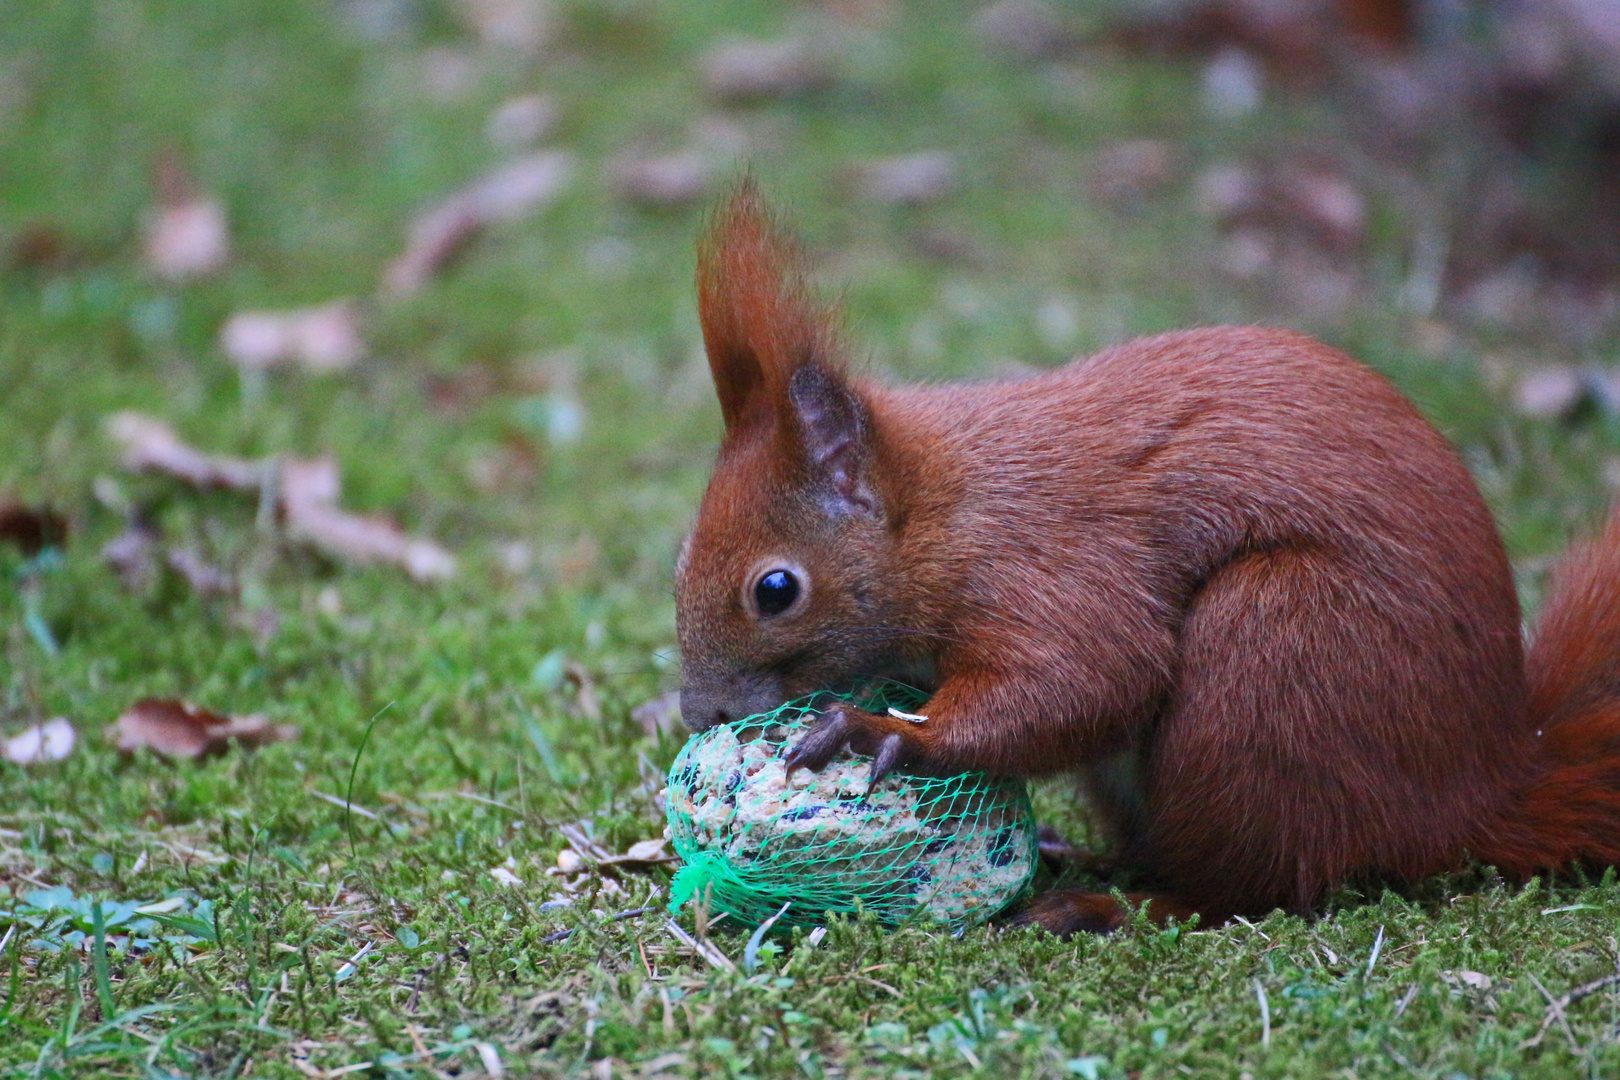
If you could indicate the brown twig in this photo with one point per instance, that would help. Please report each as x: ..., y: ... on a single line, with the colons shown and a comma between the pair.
x: 1556, y: 1007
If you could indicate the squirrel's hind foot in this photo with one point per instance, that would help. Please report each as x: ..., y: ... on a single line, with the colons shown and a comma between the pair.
x: 1066, y: 912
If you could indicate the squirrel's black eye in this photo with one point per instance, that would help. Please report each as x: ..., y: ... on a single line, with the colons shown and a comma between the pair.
x: 776, y: 592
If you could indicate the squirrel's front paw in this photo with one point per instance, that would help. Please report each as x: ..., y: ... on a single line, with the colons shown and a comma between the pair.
x: 861, y: 731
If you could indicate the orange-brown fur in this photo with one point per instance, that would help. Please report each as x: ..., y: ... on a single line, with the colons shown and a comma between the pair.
x: 1229, y: 576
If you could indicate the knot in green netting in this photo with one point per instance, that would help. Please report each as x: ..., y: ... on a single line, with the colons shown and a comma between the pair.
x: 954, y: 850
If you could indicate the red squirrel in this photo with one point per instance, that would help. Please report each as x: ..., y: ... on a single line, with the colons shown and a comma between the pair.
x: 1230, y: 577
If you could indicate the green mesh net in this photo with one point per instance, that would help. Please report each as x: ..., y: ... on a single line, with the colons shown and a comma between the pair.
x: 955, y: 850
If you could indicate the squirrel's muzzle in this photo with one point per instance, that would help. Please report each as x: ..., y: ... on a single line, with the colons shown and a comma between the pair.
x: 705, y: 704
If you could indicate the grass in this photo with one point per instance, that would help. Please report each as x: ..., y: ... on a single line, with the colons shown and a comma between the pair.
x: 282, y: 936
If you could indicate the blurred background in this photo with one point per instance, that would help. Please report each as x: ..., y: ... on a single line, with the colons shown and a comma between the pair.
x: 440, y: 251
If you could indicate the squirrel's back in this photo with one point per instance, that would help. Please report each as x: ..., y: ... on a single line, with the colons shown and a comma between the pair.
x: 1178, y: 464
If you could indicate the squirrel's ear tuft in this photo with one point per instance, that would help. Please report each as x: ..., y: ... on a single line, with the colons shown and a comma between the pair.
x: 833, y: 430
x: 759, y: 323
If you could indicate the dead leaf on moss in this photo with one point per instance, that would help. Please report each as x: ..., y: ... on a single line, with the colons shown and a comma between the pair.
x: 1315, y: 203
x: 438, y: 235
x: 186, y: 233
x: 50, y: 741
x: 308, y: 484
x: 590, y: 702
x: 177, y: 730
x: 1024, y: 29
x: 309, y: 493
x: 858, y: 12
x: 204, y: 577
x: 31, y: 528
x: 525, y: 26
x: 150, y: 445
x: 659, y: 714
x: 641, y: 854
x: 745, y: 70
x: 1550, y: 393
x: 522, y: 121
x: 323, y: 338
x: 664, y: 180
x: 906, y: 179
x: 504, y: 876
x: 372, y: 538
x: 133, y: 555
x: 39, y: 247
x: 1125, y: 172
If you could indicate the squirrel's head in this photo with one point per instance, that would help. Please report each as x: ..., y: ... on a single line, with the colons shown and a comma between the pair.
x: 778, y: 588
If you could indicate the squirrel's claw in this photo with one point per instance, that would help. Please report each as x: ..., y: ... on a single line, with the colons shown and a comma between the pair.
x: 819, y: 745
x: 888, y: 755
x: 841, y: 726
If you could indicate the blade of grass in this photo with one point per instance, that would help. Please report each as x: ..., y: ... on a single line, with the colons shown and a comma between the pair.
x: 548, y: 755
x: 98, y: 958
x: 70, y: 987
x: 16, y: 975
x: 751, y: 950
x: 348, y: 796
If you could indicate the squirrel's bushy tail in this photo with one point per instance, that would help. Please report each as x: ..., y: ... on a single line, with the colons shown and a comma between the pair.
x: 1571, y: 814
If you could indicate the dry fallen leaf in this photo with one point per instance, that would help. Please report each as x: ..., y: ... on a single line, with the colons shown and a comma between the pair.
x: 31, y: 528
x: 1223, y: 191
x: 449, y: 73
x: 521, y: 25
x: 133, y: 556
x: 659, y: 714
x: 309, y: 492
x: 1125, y: 171
x: 309, y: 484
x: 370, y: 538
x: 590, y: 703
x: 666, y: 180
x: 748, y: 69
x: 1234, y: 83
x: 320, y: 339
x: 177, y: 730
x: 1025, y: 29
x: 503, y: 873
x: 186, y: 235
x: 150, y: 445
x: 1550, y: 393
x: 907, y: 179
x: 204, y: 577
x: 307, y: 495
x: 38, y: 247
x: 505, y: 195
x: 644, y: 852
x: 521, y: 121
x: 859, y: 12
x: 50, y: 741
x: 581, y: 842
x: 1309, y: 200
x: 1327, y: 203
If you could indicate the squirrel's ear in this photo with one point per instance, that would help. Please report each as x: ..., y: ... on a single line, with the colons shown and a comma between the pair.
x: 759, y: 324
x: 833, y: 428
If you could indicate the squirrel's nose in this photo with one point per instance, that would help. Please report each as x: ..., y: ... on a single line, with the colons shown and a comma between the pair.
x: 705, y: 702
x: 699, y: 710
